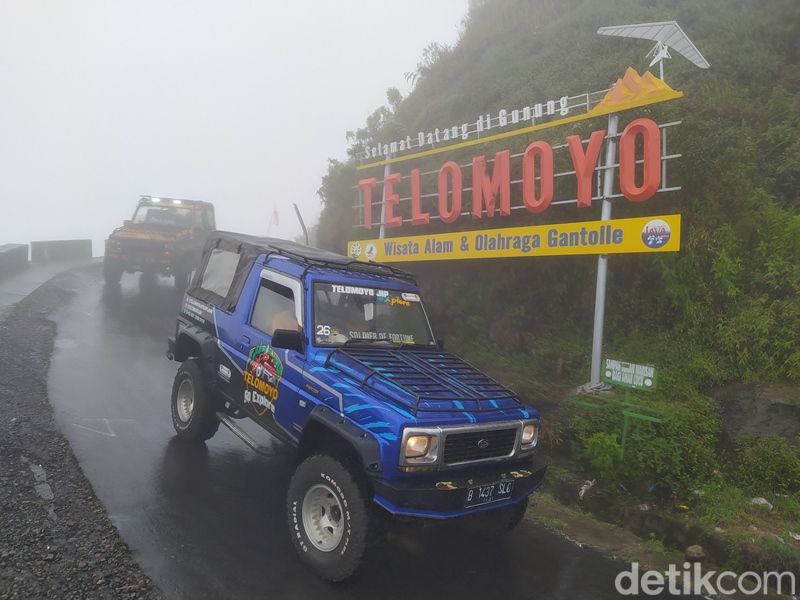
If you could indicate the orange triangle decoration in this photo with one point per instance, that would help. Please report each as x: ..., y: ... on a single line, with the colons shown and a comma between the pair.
x: 635, y: 90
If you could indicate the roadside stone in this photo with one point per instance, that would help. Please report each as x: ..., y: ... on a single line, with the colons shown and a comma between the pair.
x: 762, y: 503
x: 695, y: 553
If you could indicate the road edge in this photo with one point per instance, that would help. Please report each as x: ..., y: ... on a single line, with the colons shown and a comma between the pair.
x: 56, y: 540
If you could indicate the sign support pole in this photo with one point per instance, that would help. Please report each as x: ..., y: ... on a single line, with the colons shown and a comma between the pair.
x: 602, y: 260
x: 386, y: 172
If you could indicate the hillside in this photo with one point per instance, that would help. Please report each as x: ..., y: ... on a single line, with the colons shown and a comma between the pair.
x: 726, y: 307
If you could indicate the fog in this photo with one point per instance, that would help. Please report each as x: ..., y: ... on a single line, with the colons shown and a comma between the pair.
x: 239, y: 102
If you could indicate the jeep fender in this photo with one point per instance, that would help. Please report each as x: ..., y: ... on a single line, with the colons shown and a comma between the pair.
x: 362, y: 442
x: 191, y: 341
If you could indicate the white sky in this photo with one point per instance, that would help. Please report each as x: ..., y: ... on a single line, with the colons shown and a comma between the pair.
x: 237, y: 102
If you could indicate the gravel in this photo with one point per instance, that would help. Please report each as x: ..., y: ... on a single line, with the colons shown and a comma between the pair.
x: 56, y: 540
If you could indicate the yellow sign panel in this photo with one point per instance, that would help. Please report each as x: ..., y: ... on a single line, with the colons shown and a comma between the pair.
x: 617, y: 236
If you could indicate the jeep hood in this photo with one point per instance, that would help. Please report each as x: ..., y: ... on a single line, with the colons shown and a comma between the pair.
x: 150, y: 233
x: 423, y: 380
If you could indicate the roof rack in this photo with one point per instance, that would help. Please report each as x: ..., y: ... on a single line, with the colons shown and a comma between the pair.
x: 307, y: 255
x: 371, y: 268
x: 166, y: 200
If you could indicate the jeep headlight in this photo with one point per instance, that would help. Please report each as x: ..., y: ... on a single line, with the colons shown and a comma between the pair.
x: 530, y: 435
x: 419, y: 447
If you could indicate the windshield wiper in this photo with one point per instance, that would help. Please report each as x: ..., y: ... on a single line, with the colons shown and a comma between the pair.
x: 356, y: 341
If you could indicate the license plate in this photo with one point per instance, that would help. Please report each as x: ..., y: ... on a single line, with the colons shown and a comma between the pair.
x: 492, y: 492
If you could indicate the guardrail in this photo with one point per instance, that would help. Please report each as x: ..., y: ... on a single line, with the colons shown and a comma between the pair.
x: 60, y: 250
x: 13, y: 259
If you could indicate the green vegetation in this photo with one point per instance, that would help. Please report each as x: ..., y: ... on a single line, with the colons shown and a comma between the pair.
x: 655, y: 544
x: 725, y: 309
x: 767, y: 464
x: 554, y: 523
x: 669, y: 456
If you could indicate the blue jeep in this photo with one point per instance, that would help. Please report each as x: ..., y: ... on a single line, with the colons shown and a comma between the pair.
x: 337, y: 358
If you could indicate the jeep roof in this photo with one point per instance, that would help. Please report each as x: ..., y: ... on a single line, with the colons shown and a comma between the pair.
x: 163, y: 200
x: 296, y: 260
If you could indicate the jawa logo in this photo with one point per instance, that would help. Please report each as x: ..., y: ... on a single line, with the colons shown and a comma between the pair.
x: 261, y: 378
x: 656, y: 233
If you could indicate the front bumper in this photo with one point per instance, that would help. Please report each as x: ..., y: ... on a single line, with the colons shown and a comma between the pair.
x: 442, y: 495
x: 139, y: 261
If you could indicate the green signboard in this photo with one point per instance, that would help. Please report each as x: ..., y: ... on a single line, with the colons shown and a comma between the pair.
x: 628, y: 374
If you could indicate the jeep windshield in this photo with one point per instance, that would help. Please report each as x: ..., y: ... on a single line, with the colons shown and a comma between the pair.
x: 354, y: 314
x: 170, y: 216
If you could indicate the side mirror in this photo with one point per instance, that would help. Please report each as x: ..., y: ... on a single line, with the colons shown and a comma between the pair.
x: 287, y: 339
x: 440, y: 344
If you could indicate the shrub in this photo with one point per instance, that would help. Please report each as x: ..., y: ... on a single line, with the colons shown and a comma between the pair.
x: 678, y: 454
x: 603, y: 453
x: 767, y: 466
x: 721, y: 503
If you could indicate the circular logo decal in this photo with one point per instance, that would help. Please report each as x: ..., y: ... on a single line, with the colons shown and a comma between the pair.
x: 483, y: 444
x: 371, y: 252
x: 355, y: 250
x: 656, y: 233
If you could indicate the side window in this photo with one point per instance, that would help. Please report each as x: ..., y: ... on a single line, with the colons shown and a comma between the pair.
x: 210, y: 224
x: 197, y: 218
x: 274, y: 308
x: 219, y: 272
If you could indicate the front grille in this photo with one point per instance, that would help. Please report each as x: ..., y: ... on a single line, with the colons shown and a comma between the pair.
x: 142, y: 246
x: 466, y: 447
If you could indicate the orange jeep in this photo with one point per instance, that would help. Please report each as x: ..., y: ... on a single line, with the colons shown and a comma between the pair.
x: 165, y: 236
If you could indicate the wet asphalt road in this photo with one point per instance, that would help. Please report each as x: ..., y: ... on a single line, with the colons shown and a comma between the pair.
x: 209, y: 522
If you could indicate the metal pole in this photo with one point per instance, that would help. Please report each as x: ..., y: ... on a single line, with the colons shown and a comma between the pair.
x: 602, y: 260
x: 302, y: 223
x: 386, y: 172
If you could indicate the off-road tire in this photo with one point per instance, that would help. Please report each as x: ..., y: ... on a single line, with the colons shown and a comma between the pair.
x: 493, y: 523
x: 112, y: 271
x: 199, y: 422
x: 360, y: 519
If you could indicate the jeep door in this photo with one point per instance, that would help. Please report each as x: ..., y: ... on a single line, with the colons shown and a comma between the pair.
x: 268, y: 385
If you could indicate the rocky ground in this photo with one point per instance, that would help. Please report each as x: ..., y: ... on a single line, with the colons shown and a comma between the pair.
x: 55, y: 538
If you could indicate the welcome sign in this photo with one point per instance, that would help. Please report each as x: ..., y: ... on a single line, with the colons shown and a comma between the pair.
x: 496, y: 187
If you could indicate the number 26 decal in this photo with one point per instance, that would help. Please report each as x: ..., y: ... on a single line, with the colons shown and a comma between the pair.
x: 323, y: 330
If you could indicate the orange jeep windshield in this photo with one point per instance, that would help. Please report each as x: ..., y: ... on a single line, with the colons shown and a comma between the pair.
x: 173, y: 216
